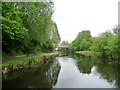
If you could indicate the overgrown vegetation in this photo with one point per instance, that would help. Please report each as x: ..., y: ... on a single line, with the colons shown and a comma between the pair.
x: 106, y: 45
x: 27, y: 27
x: 30, y: 62
x: 82, y: 42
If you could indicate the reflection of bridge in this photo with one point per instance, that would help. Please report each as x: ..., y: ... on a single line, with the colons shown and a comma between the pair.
x: 66, y: 47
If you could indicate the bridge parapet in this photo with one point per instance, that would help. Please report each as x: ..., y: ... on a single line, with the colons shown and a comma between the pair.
x: 67, y: 48
x: 63, y: 47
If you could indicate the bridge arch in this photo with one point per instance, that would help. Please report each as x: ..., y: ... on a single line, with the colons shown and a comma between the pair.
x: 66, y: 47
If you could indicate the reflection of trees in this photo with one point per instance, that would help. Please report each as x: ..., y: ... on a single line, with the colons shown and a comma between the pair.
x: 53, y: 72
x: 110, y: 72
x: 118, y: 80
x: 85, y: 64
x: 40, y: 77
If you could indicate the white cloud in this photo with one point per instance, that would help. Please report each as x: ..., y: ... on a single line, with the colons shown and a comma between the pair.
x: 73, y: 16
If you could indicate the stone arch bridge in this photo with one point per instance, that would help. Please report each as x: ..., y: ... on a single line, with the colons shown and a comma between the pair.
x: 66, y: 47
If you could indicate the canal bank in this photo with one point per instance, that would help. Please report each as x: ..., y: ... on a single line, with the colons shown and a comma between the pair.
x: 65, y: 72
x: 86, y: 53
x: 29, y: 62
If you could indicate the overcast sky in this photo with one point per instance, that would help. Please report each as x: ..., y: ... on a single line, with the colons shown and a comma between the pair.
x: 73, y: 16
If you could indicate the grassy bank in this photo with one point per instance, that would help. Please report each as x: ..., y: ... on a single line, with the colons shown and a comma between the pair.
x: 30, y: 62
x: 85, y: 53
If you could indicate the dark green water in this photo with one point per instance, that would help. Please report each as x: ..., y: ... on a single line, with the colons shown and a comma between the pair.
x: 66, y: 72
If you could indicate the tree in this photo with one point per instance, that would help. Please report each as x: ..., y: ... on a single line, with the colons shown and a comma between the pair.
x: 107, y: 45
x: 12, y: 28
x: 27, y: 27
x: 82, y: 42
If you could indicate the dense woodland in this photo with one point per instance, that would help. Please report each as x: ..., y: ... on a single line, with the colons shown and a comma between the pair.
x: 27, y: 27
x: 106, y: 45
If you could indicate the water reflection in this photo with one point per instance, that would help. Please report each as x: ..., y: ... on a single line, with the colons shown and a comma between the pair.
x: 85, y: 75
x: 40, y: 77
x: 66, y: 72
x: 94, y: 71
x: 109, y: 72
x: 105, y: 69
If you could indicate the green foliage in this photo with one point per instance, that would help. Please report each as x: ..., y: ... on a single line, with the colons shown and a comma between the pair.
x: 107, y: 45
x: 48, y: 46
x: 82, y: 42
x: 85, y: 53
x: 54, y: 34
x: 27, y: 27
x: 12, y: 28
x: 63, y: 51
x: 85, y: 63
x: 65, y: 43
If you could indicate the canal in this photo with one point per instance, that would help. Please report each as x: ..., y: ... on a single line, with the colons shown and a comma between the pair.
x: 66, y: 72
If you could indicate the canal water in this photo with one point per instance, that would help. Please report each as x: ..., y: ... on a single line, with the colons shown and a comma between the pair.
x: 66, y: 72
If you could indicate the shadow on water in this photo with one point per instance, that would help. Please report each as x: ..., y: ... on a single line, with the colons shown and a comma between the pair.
x: 67, y: 72
x: 40, y: 77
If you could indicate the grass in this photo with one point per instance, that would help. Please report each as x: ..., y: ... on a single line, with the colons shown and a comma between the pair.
x: 85, y: 53
x: 6, y: 58
x: 29, y: 62
x: 19, y: 64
